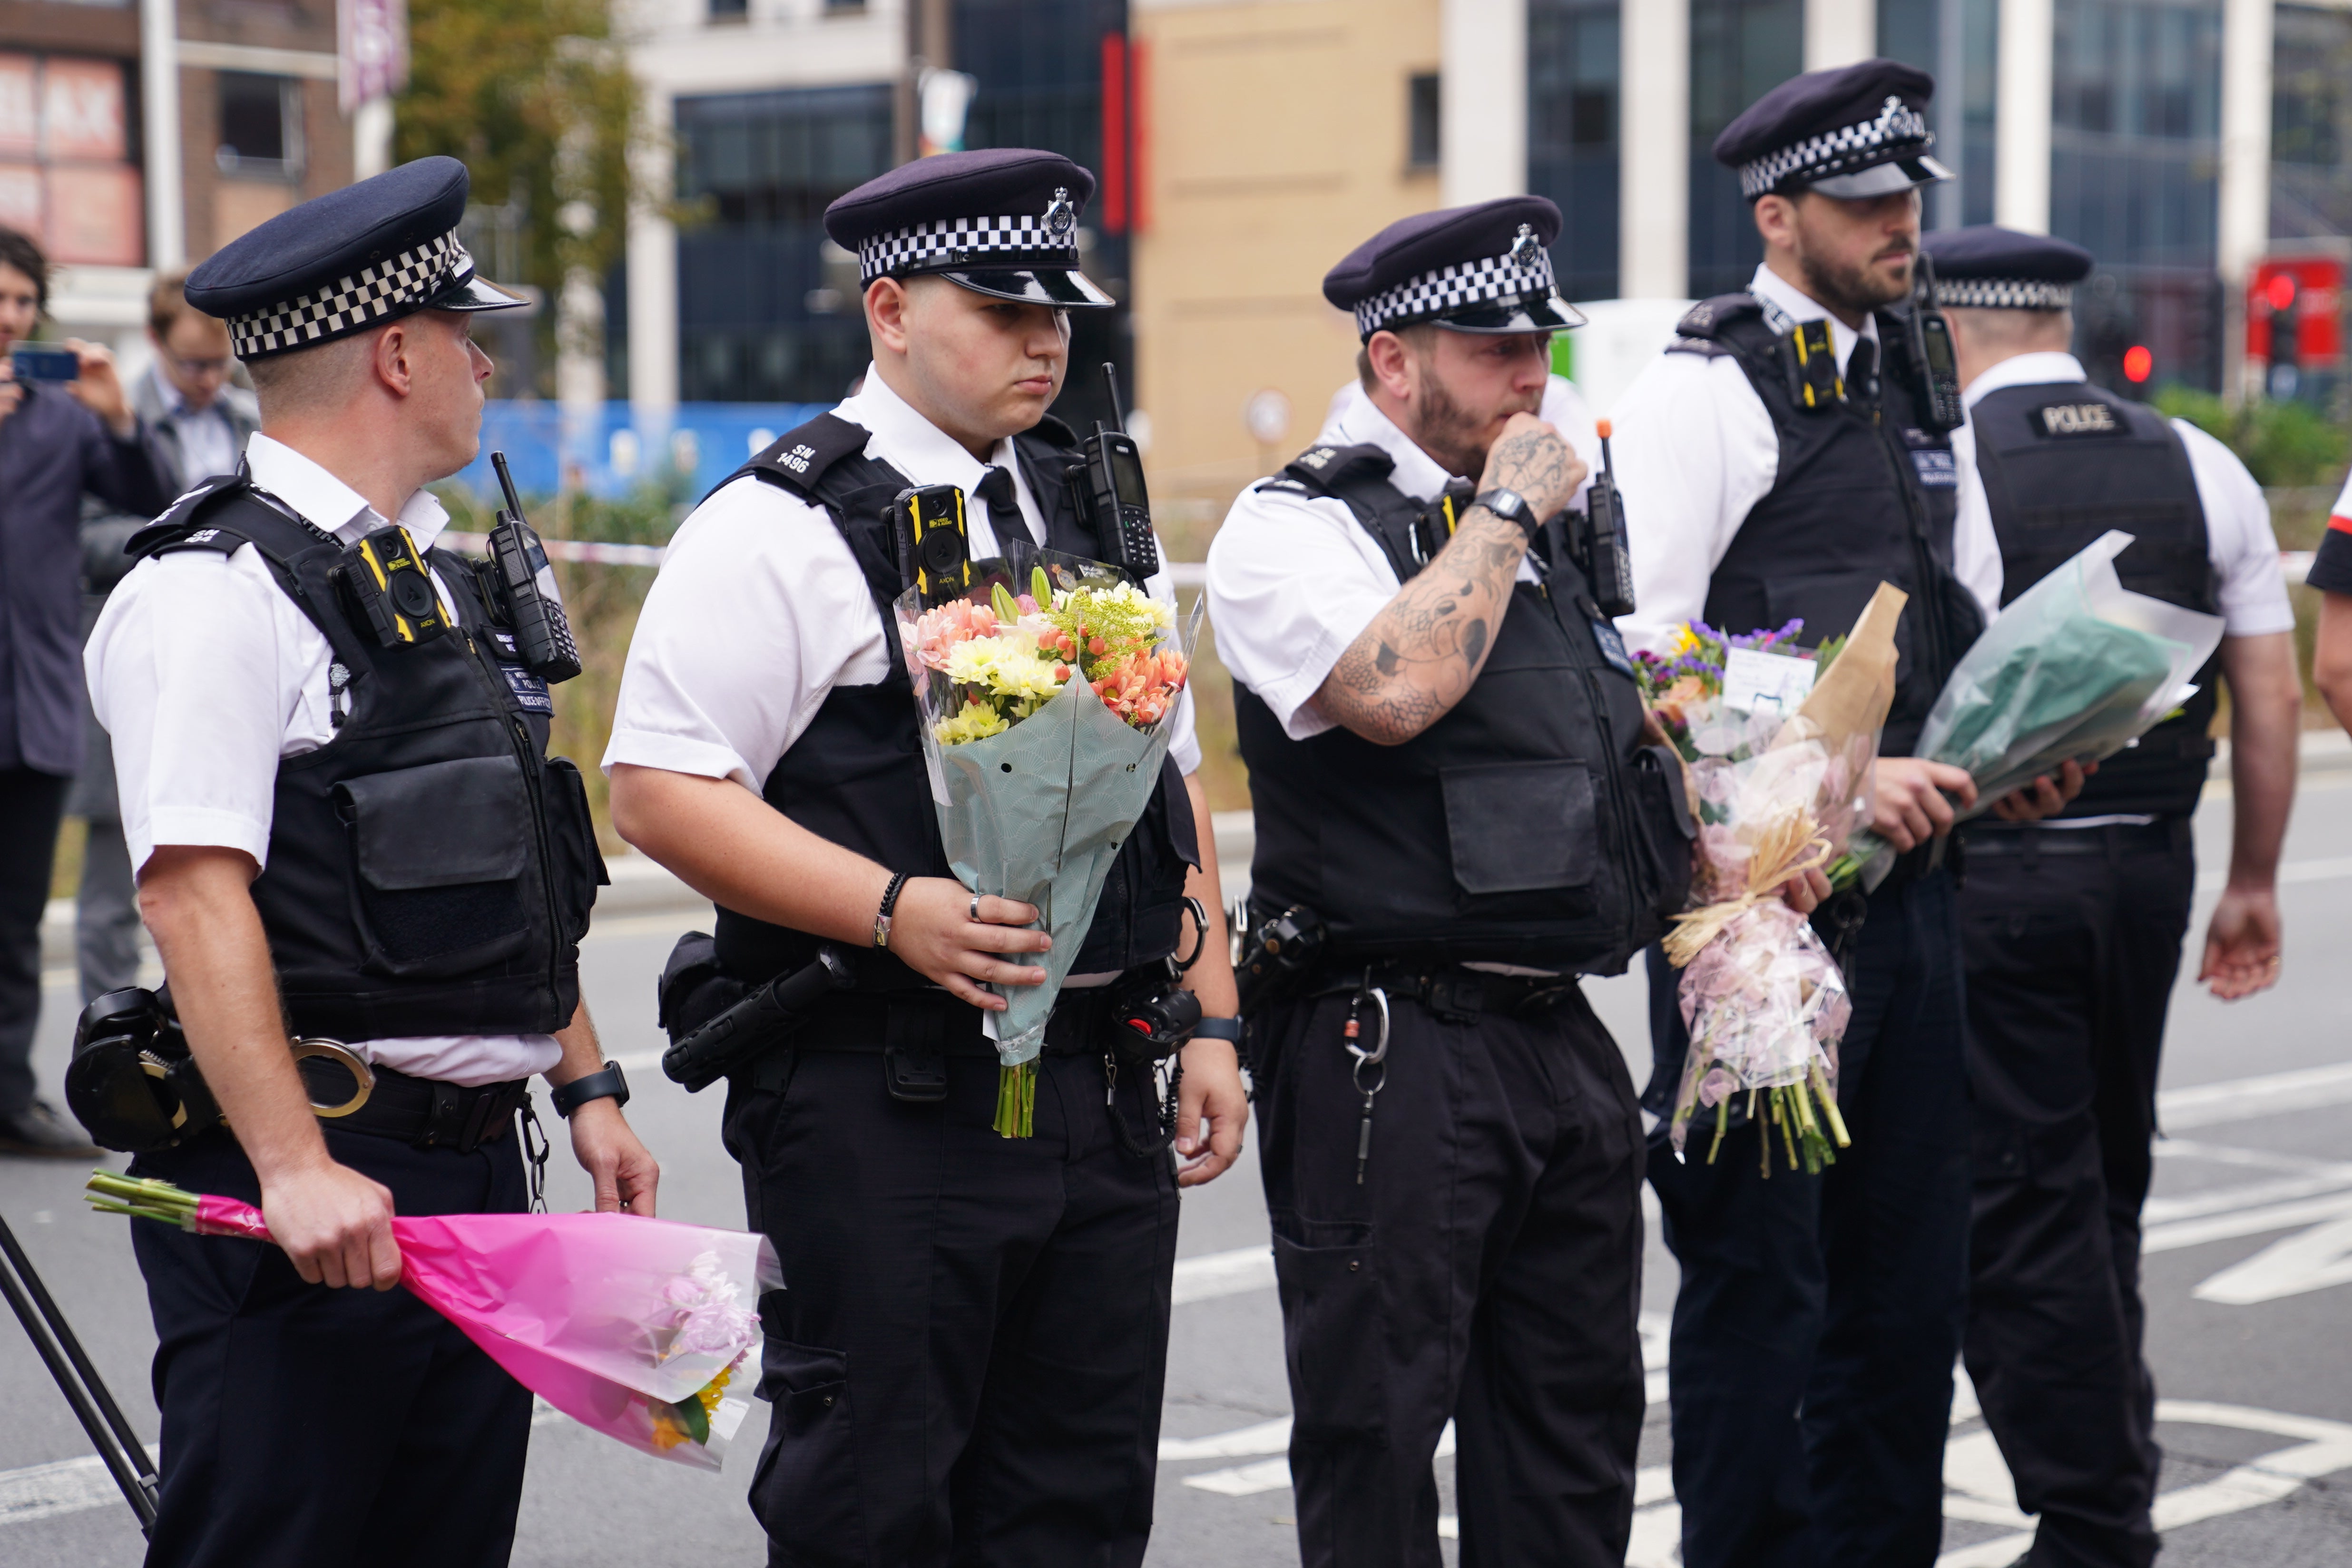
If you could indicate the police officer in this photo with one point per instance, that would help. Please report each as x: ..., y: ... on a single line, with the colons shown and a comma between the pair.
x: 1779, y: 461
x: 346, y: 829
x: 1451, y: 783
x: 966, y: 1363
x: 2073, y: 926
x: 2331, y: 573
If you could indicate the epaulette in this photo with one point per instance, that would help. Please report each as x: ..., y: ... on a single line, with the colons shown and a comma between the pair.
x: 798, y: 458
x: 1321, y: 469
x: 1286, y: 485
x: 179, y: 527
x: 1706, y: 348
x: 1707, y: 318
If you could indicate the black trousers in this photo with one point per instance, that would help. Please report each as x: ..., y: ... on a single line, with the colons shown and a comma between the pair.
x: 305, y: 1425
x: 1810, y: 1374
x: 2071, y: 958
x: 31, y: 805
x: 1487, y: 1271
x: 967, y: 1360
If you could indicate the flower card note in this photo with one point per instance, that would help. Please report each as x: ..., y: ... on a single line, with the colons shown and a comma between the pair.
x: 1754, y: 680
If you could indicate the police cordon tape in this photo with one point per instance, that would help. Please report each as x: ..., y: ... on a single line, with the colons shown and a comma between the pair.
x: 1182, y: 573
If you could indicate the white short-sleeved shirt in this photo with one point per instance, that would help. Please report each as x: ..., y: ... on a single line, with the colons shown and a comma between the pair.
x: 760, y: 610
x: 2237, y: 537
x: 206, y: 675
x: 1294, y: 579
x: 1695, y: 450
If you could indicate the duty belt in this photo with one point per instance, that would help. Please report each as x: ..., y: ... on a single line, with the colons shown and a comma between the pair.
x: 928, y: 1022
x: 421, y: 1111
x: 1453, y: 992
x: 2029, y: 841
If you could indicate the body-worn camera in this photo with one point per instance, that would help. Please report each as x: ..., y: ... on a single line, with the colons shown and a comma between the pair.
x: 1434, y: 528
x: 1599, y: 542
x: 523, y: 591
x: 385, y: 576
x: 1106, y: 487
x: 1931, y: 350
x: 1275, y: 952
x: 932, y: 535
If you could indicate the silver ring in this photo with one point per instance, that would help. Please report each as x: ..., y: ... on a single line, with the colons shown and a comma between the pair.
x: 973, y: 913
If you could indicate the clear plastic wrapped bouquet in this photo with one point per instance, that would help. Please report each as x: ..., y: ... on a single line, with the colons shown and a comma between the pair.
x: 2074, y: 670
x: 1779, y: 740
x: 635, y: 1328
x: 1045, y: 694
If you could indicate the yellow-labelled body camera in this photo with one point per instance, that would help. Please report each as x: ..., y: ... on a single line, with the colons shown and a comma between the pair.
x: 932, y: 523
x: 386, y: 575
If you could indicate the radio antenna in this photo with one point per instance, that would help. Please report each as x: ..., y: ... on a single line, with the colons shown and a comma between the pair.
x: 506, y: 483
x: 1110, y: 386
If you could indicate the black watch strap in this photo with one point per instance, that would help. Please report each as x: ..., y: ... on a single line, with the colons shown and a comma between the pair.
x: 609, y: 1082
x: 1218, y: 1029
x: 1511, y: 506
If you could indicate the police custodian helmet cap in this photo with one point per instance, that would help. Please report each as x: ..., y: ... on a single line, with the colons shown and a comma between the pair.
x: 1480, y: 269
x: 346, y: 262
x: 1856, y: 131
x: 1988, y: 268
x: 1002, y: 221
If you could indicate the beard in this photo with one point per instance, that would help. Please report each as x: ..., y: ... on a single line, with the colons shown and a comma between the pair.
x: 1455, y: 436
x: 1856, y: 289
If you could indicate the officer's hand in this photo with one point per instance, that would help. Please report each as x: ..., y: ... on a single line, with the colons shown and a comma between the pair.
x: 336, y: 1224
x: 625, y: 1172
x: 1534, y: 460
x: 2044, y: 796
x: 933, y: 932
x: 1806, y: 892
x: 1911, y: 807
x: 98, y: 388
x: 12, y: 391
x: 2242, y: 943
x: 1212, y: 1092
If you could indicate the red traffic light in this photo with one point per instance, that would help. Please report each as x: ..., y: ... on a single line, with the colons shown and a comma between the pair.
x: 2138, y: 364
x: 2280, y: 290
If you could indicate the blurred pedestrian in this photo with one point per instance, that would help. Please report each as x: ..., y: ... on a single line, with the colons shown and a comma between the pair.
x: 2331, y: 573
x: 2073, y: 926
x: 57, y: 440
x: 1783, y: 457
x: 199, y: 420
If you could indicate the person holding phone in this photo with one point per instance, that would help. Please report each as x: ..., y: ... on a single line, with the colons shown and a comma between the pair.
x: 58, y: 438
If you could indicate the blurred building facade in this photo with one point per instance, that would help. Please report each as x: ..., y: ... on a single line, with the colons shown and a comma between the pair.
x: 138, y: 134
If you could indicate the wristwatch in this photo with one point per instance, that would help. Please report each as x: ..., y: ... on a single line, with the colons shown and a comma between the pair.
x: 1218, y: 1029
x: 890, y: 902
x: 1511, y: 506
x: 610, y: 1083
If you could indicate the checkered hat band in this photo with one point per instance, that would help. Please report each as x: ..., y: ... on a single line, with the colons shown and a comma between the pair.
x: 1899, y: 129
x: 2003, y: 294
x: 1456, y: 288
x: 965, y: 242
x: 349, y: 304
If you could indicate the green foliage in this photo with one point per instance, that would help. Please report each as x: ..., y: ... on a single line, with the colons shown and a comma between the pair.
x: 537, y: 98
x: 2280, y: 442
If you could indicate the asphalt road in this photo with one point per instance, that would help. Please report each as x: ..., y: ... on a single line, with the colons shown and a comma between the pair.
x: 2249, y: 1249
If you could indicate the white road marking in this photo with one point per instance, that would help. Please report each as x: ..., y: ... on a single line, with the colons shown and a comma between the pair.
x: 2311, y: 1260
x: 1215, y: 1274
x: 45, y: 1491
x: 2244, y: 1222
x: 2240, y: 1099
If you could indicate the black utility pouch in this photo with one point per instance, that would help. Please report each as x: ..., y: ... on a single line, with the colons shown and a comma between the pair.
x: 442, y: 852
x: 575, y: 863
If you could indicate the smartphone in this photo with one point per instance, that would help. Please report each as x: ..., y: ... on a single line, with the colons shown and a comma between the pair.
x: 46, y: 362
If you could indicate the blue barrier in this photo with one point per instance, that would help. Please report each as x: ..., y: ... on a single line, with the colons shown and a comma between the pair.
x: 613, y: 448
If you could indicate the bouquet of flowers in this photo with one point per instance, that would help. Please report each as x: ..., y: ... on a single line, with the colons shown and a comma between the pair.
x: 2075, y: 669
x: 1777, y: 741
x: 1044, y: 698
x: 635, y: 1327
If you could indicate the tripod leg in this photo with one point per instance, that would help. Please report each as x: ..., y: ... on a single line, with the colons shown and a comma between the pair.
x: 124, y: 1456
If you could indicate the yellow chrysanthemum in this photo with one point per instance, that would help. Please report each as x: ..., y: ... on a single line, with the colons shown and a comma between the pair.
x: 1681, y: 640
x: 973, y: 721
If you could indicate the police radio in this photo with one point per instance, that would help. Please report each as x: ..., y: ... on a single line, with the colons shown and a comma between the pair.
x: 385, y: 575
x: 1434, y: 527
x: 1106, y: 487
x: 1608, y: 563
x: 930, y: 524
x: 523, y: 586
x: 1931, y: 350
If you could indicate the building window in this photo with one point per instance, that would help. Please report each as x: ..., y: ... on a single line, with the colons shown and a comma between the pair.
x: 66, y: 174
x: 1421, y: 119
x: 1572, y: 76
x: 1956, y: 42
x: 767, y: 307
x: 731, y: 11
x: 1740, y: 49
x: 261, y: 125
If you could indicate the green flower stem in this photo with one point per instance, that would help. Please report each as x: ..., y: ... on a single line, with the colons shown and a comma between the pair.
x: 1016, y: 1102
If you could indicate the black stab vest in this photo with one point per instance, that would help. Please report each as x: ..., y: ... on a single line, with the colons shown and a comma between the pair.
x: 1864, y: 493
x: 2062, y: 464
x: 431, y: 869
x: 1531, y: 824
x: 856, y: 775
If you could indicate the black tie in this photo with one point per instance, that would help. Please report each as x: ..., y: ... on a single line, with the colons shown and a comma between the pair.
x: 995, y: 487
x: 1862, y: 373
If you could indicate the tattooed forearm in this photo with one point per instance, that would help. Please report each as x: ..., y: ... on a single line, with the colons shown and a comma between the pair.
x: 1413, y: 663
